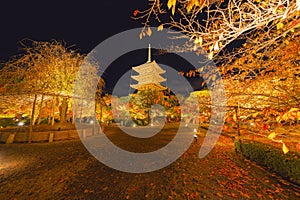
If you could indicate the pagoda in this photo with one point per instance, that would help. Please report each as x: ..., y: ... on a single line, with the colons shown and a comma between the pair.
x: 149, y: 75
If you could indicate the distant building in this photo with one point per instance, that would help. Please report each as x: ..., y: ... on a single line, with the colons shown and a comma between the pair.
x: 149, y: 75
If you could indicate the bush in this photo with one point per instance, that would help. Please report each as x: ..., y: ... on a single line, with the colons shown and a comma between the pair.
x: 286, y: 165
x: 140, y: 122
x: 44, y: 121
x: 5, y: 122
x: 128, y: 123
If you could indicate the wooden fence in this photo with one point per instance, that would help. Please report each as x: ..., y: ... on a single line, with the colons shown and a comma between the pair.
x: 46, y: 136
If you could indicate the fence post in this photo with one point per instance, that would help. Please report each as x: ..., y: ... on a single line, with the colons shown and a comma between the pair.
x: 84, y: 133
x: 10, y: 138
x: 51, y: 136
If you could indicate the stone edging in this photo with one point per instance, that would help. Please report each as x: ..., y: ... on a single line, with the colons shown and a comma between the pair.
x: 46, y: 136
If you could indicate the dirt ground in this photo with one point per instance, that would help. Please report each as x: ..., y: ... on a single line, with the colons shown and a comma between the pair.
x: 66, y: 170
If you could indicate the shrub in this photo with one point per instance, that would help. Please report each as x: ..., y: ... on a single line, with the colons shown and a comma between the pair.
x: 5, y: 122
x: 286, y: 165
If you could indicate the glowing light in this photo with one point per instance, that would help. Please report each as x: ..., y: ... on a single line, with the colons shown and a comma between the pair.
x: 92, y: 122
x: 21, y: 124
x: 195, y: 130
x: 252, y: 124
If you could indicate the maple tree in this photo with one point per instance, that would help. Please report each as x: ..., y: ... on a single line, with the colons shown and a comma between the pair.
x: 214, y: 26
x: 255, y: 45
x: 45, y: 71
x: 142, y: 101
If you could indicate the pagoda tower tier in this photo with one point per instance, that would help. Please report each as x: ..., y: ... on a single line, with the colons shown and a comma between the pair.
x: 149, y: 75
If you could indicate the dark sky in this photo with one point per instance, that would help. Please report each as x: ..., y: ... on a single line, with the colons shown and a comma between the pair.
x: 84, y: 24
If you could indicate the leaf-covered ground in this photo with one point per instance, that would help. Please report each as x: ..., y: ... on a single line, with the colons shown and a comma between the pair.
x: 66, y: 170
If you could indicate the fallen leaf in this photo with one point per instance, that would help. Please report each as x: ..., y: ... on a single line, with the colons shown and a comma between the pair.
x: 105, y: 188
x: 219, y: 195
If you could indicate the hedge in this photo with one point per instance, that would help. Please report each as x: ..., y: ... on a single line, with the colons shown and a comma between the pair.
x: 286, y: 165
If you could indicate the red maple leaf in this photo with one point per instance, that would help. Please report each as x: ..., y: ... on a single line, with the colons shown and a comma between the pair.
x: 135, y: 12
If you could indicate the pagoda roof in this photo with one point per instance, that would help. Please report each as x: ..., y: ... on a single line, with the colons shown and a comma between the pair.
x: 149, y: 78
x: 149, y: 85
x: 149, y: 67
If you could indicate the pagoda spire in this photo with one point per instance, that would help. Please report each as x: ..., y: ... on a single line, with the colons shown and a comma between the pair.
x: 149, y: 54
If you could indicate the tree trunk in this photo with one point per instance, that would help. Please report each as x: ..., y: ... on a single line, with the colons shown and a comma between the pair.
x: 63, y: 110
x: 52, y: 111
x: 95, y: 118
x: 32, y: 119
x: 40, y: 110
x: 101, y: 111
x: 80, y: 117
x: 238, y: 128
x: 74, y: 112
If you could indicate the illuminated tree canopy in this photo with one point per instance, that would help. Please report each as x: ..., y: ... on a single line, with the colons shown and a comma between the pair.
x: 255, y: 45
x: 215, y: 25
x: 45, y: 72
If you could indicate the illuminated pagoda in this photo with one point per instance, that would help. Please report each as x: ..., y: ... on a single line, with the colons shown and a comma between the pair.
x: 149, y: 75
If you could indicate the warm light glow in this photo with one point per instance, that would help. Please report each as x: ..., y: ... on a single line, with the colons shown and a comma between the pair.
x: 21, y: 124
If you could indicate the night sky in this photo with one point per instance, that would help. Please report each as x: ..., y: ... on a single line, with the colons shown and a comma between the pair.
x: 84, y: 24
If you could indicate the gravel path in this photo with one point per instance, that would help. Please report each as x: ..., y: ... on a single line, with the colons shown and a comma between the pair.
x: 66, y: 170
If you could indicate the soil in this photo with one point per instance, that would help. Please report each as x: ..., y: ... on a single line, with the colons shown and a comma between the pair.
x: 66, y: 170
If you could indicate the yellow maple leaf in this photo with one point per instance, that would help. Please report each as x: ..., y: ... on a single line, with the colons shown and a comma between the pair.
x: 160, y: 27
x: 272, y: 136
x: 285, y: 117
x: 141, y: 36
x: 173, y: 10
x: 278, y: 119
x: 210, y: 55
x: 234, y: 118
x: 279, y: 25
x: 149, y: 32
x: 200, y: 40
x: 196, y: 40
x: 255, y: 115
x: 284, y: 149
x: 189, y: 6
x: 172, y: 4
x: 298, y: 115
x: 293, y: 109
